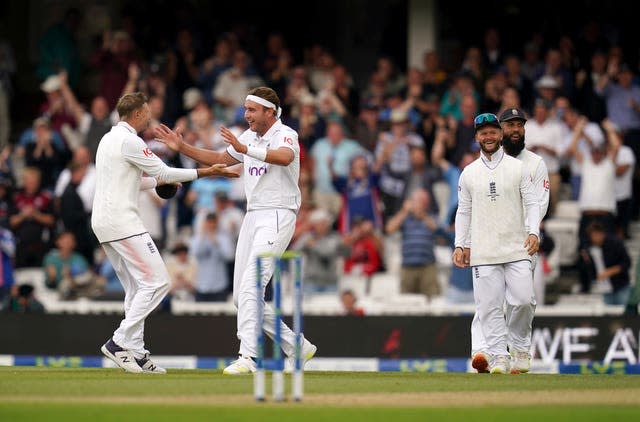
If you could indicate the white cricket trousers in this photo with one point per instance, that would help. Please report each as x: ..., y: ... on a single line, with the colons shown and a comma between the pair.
x: 262, y: 231
x: 492, y: 286
x: 144, y: 277
x: 478, y: 343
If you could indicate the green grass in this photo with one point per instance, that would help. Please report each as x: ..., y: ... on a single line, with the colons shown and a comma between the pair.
x: 46, y: 394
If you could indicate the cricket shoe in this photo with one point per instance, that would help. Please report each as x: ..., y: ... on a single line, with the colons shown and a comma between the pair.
x: 521, y: 363
x: 240, y: 366
x: 150, y: 367
x: 308, y: 351
x: 500, y: 365
x: 480, y: 362
x: 122, y: 357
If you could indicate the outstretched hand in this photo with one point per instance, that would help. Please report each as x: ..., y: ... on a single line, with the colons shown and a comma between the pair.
x: 171, y: 138
x: 217, y: 170
x: 231, y: 139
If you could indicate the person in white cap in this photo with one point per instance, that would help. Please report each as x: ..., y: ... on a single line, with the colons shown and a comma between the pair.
x: 271, y: 156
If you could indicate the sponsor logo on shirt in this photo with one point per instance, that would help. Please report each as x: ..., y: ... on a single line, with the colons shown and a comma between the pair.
x: 151, y: 247
x: 257, y: 171
x: 147, y: 152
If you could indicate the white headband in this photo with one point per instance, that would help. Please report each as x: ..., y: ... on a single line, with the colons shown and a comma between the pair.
x: 265, y: 103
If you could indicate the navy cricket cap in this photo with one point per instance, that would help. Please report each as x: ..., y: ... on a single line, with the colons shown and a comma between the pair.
x: 511, y: 114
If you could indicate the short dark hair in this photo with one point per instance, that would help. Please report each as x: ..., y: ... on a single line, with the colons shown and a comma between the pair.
x: 129, y: 103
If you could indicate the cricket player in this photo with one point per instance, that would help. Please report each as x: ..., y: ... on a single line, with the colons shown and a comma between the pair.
x: 513, y: 142
x: 270, y: 153
x: 491, y: 237
x: 121, y: 159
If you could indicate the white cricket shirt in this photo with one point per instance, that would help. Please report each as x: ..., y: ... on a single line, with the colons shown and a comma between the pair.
x: 121, y: 159
x: 490, y: 217
x: 270, y: 185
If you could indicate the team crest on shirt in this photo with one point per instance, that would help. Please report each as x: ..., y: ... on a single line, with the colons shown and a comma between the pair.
x: 147, y: 152
x: 493, y: 192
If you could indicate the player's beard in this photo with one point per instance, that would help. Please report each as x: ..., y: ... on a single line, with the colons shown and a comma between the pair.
x: 513, y: 148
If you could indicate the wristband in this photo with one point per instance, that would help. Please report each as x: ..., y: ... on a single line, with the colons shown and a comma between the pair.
x: 459, y: 247
x: 257, y: 152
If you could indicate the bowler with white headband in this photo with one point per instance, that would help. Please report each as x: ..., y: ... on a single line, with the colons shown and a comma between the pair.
x: 270, y: 153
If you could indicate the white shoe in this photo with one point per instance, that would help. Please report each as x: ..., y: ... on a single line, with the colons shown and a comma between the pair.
x: 308, y: 351
x: 521, y: 363
x: 150, y: 367
x: 122, y: 357
x: 500, y: 365
x: 480, y: 362
x: 242, y: 365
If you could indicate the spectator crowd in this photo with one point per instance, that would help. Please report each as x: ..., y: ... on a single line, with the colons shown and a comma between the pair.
x: 372, y: 153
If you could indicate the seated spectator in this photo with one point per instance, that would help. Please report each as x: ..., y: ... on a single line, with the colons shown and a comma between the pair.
x: 321, y: 247
x: 349, y: 307
x: 113, y: 289
x: 22, y: 301
x: 604, y: 265
x: 212, y: 247
x: 68, y: 271
x: 419, y: 273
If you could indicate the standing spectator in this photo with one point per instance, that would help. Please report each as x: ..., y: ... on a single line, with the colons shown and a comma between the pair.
x: 212, y: 248
x: 496, y: 185
x: 232, y: 85
x: 368, y: 126
x: 213, y: 66
x: 419, y: 273
x: 623, y: 185
x: 331, y: 155
x: 45, y: 154
x: 393, y: 159
x: 597, y: 199
x: 321, y: 247
x: 604, y: 265
x: 622, y: 97
x: 587, y: 79
x: 74, y: 217
x: 544, y: 137
x: 92, y: 124
x: 58, y: 49
x: 360, y: 195
x: 589, y: 135
x: 32, y: 220
x: 112, y: 62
